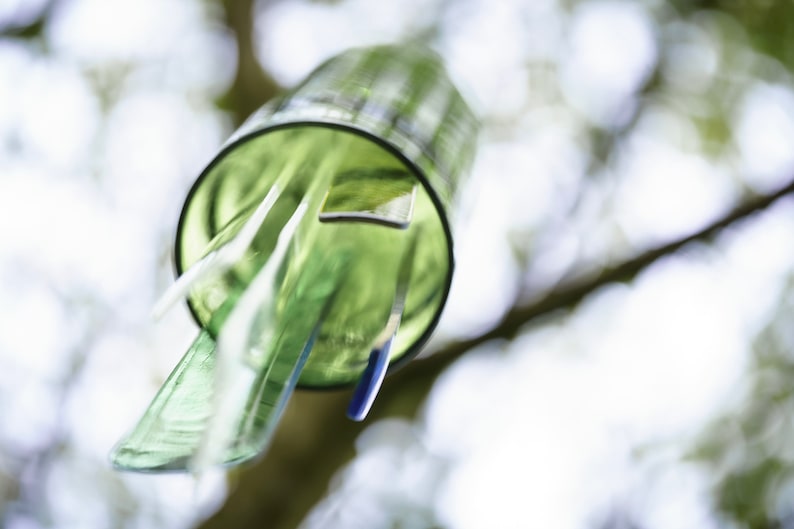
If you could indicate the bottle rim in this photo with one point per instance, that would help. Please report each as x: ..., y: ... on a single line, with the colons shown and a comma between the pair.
x: 413, y: 350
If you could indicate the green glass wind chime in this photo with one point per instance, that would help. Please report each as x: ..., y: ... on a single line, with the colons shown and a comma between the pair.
x: 314, y: 251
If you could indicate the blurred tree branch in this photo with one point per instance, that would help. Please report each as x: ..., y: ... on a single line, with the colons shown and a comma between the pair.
x: 314, y: 439
x: 252, y: 85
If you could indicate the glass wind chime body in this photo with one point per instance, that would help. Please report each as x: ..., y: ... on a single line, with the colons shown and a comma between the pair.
x: 314, y: 251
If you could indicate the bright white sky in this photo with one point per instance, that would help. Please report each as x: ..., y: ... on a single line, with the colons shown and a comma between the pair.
x: 542, y: 433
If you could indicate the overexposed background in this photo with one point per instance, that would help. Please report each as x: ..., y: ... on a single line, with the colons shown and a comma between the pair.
x: 661, y: 401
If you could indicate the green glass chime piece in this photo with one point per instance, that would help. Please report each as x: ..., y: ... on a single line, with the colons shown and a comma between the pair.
x: 314, y: 251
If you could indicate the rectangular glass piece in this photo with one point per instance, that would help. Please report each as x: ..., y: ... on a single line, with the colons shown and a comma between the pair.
x: 168, y: 433
x: 184, y: 413
x: 174, y: 426
x: 381, y: 196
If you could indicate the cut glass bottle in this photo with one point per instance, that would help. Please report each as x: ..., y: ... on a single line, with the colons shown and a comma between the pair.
x: 314, y: 250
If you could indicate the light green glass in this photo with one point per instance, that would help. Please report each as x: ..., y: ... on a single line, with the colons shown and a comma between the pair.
x: 359, y: 167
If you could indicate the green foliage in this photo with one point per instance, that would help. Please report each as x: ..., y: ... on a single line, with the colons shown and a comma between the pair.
x: 748, y: 449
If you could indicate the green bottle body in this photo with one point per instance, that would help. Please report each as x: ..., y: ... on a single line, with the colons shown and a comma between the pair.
x: 387, y: 117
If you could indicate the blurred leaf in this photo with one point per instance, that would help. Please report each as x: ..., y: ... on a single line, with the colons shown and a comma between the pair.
x: 32, y: 29
x: 743, y: 447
